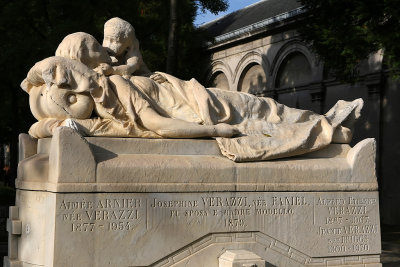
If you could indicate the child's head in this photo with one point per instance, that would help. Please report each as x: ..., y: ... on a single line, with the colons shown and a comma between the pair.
x: 84, y: 48
x: 118, y: 36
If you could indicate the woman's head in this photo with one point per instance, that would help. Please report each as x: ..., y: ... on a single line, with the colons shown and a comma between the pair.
x: 84, y: 48
x: 59, y: 88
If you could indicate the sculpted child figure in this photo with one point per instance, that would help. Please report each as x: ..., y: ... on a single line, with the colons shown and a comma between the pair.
x: 61, y: 89
x: 122, y: 45
x: 65, y: 91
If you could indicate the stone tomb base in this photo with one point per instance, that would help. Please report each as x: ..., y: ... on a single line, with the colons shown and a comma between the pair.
x: 137, y: 202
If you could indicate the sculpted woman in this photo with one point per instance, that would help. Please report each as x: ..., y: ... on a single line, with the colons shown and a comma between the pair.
x: 72, y: 90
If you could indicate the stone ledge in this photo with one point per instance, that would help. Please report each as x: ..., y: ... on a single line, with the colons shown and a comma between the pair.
x: 192, y: 187
x: 70, y: 163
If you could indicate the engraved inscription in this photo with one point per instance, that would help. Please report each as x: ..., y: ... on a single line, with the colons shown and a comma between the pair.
x: 347, y: 227
x: 335, y: 223
x: 235, y: 212
x: 108, y: 214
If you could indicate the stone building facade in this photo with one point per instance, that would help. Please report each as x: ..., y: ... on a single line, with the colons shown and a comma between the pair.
x: 258, y: 50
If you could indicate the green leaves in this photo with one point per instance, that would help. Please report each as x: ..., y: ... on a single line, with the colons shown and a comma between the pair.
x: 345, y: 32
x: 32, y: 29
x: 212, y: 5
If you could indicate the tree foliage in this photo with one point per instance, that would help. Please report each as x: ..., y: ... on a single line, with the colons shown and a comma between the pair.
x: 213, y: 6
x: 32, y: 29
x: 345, y: 32
x: 177, y: 22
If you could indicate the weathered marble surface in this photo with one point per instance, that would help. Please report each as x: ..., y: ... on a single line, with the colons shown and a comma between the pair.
x: 108, y: 91
x: 121, y: 202
x: 141, y: 229
x: 98, y: 201
x: 148, y: 165
x: 236, y: 258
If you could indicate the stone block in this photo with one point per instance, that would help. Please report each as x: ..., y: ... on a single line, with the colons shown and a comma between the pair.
x: 70, y: 158
x: 130, y: 202
x: 240, y: 258
x: 290, y: 227
x: 122, y: 164
x: 27, y: 147
x: 14, y: 227
x: 11, y: 263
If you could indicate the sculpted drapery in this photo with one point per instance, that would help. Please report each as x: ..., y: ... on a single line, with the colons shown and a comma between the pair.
x: 73, y: 90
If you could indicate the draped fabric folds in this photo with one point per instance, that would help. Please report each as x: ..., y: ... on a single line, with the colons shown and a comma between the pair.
x: 269, y: 130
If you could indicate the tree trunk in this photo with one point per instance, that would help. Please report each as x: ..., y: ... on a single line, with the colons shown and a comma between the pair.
x: 171, y: 57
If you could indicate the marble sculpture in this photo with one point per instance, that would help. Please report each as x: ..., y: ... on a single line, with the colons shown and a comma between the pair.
x: 109, y: 91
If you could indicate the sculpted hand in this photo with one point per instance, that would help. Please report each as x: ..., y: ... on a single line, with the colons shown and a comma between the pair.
x: 158, y: 78
x: 104, y: 69
x: 225, y: 130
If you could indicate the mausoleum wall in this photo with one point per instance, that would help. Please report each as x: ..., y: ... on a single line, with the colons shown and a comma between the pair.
x: 295, y: 76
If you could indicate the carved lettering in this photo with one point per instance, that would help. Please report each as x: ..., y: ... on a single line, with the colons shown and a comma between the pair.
x: 112, y: 214
x: 342, y: 225
x: 347, y: 210
x: 156, y: 203
x: 72, y: 205
x: 286, y: 201
x: 330, y: 202
x: 362, y: 201
x: 274, y: 211
x: 348, y: 226
x: 225, y: 202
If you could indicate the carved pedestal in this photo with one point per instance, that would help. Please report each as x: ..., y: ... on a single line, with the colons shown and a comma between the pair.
x: 140, y: 202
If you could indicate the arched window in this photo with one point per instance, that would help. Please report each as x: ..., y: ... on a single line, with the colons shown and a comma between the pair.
x: 294, y: 70
x: 253, y: 80
x: 219, y: 80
